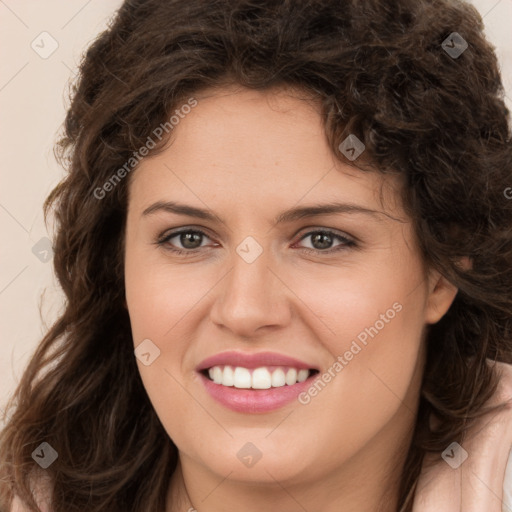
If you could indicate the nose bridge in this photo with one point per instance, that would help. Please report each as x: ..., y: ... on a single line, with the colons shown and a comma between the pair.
x: 251, y: 296
x: 250, y: 265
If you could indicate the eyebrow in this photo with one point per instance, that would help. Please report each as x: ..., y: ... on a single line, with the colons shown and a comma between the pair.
x: 290, y: 215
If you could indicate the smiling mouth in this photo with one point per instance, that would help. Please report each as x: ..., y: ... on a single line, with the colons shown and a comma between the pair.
x: 265, y: 377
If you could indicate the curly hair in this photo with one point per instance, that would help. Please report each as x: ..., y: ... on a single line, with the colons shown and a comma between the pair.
x: 380, y: 71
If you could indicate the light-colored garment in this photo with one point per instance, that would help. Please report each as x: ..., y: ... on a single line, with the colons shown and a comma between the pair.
x: 507, y: 487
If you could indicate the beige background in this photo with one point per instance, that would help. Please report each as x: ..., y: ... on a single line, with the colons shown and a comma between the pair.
x: 32, y: 94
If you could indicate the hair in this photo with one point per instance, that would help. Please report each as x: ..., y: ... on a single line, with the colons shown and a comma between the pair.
x: 379, y: 71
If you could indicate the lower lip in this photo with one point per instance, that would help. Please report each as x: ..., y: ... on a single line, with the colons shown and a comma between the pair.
x: 255, y: 400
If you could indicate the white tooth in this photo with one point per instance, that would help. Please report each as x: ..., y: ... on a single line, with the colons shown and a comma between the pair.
x: 278, y: 378
x: 261, y: 378
x: 217, y: 375
x: 302, y: 375
x: 227, y: 376
x: 291, y: 376
x: 242, y: 378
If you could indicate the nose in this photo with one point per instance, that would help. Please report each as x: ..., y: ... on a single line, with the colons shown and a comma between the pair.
x: 252, y: 298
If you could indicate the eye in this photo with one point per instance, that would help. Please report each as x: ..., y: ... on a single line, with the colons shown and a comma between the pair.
x: 322, y: 240
x: 190, y: 240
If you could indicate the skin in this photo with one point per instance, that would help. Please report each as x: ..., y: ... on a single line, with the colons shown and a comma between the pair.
x: 247, y: 156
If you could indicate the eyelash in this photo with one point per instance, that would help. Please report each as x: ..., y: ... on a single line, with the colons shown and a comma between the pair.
x: 347, y: 242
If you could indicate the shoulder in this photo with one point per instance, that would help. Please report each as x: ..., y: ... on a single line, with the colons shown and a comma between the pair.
x: 18, y: 506
x: 503, y: 393
x: 41, y: 486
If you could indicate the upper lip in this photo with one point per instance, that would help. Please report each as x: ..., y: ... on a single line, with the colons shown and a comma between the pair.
x: 254, y: 360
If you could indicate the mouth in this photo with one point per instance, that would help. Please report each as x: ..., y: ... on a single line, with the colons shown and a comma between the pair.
x: 257, y: 382
x: 260, y: 378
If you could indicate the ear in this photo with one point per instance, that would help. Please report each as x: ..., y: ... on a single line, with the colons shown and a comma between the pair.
x: 441, y: 293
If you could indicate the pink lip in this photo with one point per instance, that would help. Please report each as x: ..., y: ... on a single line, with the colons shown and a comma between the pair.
x: 254, y: 400
x: 253, y: 360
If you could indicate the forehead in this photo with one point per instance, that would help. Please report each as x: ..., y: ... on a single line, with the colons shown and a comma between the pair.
x: 269, y: 146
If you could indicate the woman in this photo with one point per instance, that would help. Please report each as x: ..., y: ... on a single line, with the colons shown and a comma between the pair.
x: 287, y: 257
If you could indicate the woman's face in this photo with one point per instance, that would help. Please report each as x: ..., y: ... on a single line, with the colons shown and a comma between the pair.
x: 352, y: 304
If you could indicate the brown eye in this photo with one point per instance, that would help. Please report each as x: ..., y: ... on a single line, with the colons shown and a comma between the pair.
x: 189, y: 239
x: 322, y: 241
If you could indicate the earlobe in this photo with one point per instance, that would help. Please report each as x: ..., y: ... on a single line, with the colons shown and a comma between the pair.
x: 442, y: 292
x: 441, y: 296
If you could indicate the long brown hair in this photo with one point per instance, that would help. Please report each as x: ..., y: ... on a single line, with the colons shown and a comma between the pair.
x: 381, y: 71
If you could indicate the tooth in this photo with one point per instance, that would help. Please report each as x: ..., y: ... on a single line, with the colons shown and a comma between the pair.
x: 261, y: 378
x: 242, y: 378
x: 291, y: 376
x: 217, y: 375
x: 227, y: 376
x: 278, y: 378
x: 302, y: 375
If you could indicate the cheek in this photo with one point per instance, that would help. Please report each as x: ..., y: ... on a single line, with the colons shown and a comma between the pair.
x: 164, y: 305
x: 159, y: 296
x: 378, y: 327
x: 378, y: 323
x: 349, y: 302
x: 158, y: 302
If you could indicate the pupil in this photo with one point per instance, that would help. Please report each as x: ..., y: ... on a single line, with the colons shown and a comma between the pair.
x: 188, y: 237
x: 324, y: 236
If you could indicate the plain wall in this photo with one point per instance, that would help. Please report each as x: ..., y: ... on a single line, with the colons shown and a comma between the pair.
x: 32, y: 105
